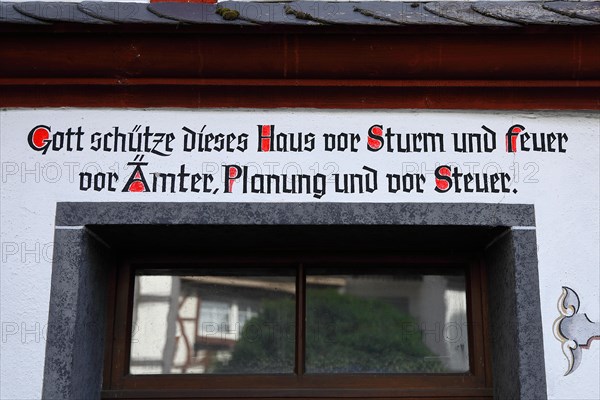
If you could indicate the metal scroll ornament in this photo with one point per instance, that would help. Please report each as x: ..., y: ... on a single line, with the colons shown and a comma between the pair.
x: 575, y: 331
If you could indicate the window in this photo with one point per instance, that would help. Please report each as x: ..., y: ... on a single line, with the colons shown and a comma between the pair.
x: 295, y: 323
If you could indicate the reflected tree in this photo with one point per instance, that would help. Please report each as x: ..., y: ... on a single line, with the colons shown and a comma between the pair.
x: 344, y: 334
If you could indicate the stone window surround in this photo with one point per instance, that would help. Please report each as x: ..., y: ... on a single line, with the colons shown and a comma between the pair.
x: 76, y: 326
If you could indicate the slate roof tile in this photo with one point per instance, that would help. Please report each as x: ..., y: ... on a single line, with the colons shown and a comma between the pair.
x: 9, y: 15
x: 339, y: 13
x: 306, y: 13
x: 403, y: 13
x: 124, y: 13
x: 56, y: 12
x: 265, y: 13
x: 193, y: 13
x: 583, y: 10
x: 527, y: 13
x: 462, y: 11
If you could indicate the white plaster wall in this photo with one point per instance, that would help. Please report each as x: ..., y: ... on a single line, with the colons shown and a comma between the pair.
x: 564, y: 190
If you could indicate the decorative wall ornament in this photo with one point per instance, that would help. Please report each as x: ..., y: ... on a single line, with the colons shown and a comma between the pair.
x: 575, y: 331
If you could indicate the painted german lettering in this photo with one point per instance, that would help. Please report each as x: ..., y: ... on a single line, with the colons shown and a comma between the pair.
x: 403, y: 142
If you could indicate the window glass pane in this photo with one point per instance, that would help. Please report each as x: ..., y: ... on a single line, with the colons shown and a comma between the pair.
x: 379, y: 320
x: 204, y: 322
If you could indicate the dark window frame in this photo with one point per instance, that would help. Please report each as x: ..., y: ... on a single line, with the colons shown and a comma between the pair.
x: 118, y: 383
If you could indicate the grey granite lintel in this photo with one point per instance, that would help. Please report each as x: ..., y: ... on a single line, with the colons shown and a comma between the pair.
x: 475, y: 214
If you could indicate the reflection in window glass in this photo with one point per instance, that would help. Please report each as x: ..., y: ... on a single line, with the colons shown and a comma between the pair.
x: 203, y: 323
x: 385, y: 321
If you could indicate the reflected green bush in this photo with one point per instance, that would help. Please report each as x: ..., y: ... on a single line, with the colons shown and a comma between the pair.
x: 344, y: 334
